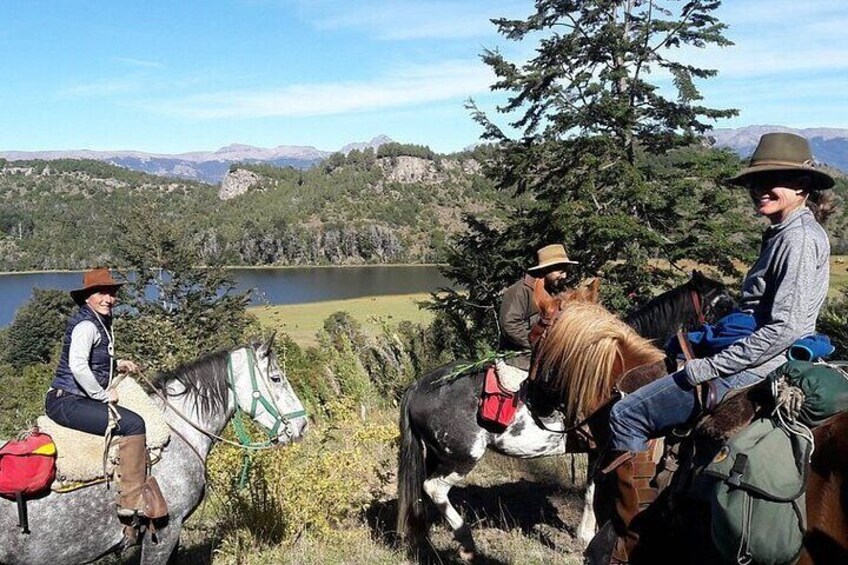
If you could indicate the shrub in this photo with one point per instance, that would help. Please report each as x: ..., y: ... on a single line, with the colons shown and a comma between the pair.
x: 834, y: 323
x: 38, y: 328
x: 22, y: 400
x: 315, y: 486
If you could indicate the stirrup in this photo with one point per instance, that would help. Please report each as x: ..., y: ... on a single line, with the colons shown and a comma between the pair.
x: 132, y: 534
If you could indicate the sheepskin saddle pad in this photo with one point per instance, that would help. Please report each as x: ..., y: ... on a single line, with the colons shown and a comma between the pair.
x: 79, y: 456
x: 510, y: 378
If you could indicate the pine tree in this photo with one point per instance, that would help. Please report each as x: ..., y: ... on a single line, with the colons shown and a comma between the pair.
x: 610, y: 164
x: 175, y: 307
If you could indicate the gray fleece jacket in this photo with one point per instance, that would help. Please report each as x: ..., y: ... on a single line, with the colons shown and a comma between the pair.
x: 784, y: 291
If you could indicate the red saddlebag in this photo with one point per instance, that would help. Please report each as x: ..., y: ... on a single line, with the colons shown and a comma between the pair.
x: 497, y: 406
x: 27, y: 469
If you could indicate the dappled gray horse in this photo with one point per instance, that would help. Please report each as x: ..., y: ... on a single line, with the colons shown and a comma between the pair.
x: 202, y: 397
x: 442, y: 439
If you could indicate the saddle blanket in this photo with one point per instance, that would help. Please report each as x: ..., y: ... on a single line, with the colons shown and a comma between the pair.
x: 80, y: 455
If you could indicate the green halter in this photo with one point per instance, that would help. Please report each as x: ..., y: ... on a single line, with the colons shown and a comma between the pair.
x: 258, y: 398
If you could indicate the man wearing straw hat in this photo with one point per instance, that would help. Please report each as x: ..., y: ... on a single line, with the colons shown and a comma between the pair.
x: 518, y: 313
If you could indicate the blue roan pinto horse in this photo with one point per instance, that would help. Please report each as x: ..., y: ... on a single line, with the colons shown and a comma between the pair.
x: 82, y: 525
x: 442, y: 439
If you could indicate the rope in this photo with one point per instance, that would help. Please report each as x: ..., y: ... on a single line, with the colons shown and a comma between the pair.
x: 788, y: 403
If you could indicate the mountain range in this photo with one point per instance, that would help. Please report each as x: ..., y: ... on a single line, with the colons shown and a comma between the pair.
x: 204, y: 166
x: 829, y: 145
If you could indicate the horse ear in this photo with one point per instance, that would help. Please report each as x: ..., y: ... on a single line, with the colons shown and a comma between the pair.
x: 594, y: 290
x: 696, y: 274
x: 544, y: 301
x: 270, y: 342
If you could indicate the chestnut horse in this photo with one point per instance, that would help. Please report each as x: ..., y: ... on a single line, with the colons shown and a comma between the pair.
x: 587, y: 350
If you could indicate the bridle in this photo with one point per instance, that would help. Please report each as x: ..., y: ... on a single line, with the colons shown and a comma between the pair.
x: 696, y: 302
x: 270, y: 405
x: 244, y: 443
x: 704, y: 305
x: 538, y: 334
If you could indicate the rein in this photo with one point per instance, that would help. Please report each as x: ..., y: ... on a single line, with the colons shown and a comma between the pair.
x: 696, y: 302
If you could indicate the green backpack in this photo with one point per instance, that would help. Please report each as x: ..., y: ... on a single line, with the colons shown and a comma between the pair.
x: 757, y: 502
x: 825, y: 388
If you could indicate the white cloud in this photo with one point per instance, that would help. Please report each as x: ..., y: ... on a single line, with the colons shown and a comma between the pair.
x: 405, y: 87
x: 103, y: 87
x: 132, y: 62
x: 414, y: 19
x: 782, y: 13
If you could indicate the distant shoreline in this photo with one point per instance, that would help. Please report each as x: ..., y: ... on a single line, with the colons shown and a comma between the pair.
x: 250, y: 268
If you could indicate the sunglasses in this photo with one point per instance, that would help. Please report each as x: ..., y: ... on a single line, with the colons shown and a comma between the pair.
x: 768, y: 182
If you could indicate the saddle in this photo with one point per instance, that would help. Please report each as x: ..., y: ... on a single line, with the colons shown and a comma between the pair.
x: 80, y: 456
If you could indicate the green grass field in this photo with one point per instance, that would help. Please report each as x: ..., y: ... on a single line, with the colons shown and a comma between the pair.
x: 302, y: 321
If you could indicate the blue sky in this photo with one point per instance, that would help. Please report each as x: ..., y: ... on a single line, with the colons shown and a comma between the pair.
x: 170, y: 77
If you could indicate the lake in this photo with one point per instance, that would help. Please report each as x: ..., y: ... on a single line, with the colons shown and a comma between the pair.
x: 295, y: 285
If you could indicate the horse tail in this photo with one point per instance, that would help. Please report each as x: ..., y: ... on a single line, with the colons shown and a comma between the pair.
x: 412, y: 517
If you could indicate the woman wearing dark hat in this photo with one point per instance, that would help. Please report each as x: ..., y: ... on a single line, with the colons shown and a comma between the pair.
x: 79, y: 394
x: 784, y: 291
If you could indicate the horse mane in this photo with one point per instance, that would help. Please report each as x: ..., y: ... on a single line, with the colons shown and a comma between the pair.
x: 584, y: 354
x: 205, y: 377
x: 652, y: 319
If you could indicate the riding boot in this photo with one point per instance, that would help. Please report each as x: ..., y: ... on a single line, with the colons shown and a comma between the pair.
x: 633, y: 493
x: 131, y: 473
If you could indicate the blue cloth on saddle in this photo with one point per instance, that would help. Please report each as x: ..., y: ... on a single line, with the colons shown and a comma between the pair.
x: 710, y: 339
x: 810, y: 348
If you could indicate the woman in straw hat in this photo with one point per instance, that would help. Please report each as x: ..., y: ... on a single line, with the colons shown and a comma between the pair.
x: 79, y: 395
x: 783, y: 291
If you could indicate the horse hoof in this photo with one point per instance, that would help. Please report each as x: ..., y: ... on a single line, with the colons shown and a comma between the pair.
x: 467, y: 554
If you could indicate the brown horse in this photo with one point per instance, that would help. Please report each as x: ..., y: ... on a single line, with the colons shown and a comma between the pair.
x: 826, y: 540
x: 584, y: 353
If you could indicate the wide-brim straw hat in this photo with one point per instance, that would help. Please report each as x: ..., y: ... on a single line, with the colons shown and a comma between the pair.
x: 550, y: 256
x: 94, y: 280
x: 782, y: 153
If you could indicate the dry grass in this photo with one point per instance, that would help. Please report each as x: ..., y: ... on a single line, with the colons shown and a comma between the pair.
x: 520, y: 512
x: 838, y: 274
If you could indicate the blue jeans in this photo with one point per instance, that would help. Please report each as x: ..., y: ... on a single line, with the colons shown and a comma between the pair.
x: 657, y: 408
x: 88, y: 415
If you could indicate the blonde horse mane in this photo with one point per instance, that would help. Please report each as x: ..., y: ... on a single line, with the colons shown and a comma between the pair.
x: 584, y: 354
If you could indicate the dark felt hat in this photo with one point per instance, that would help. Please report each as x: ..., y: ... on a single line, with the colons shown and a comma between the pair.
x: 94, y: 280
x: 782, y: 153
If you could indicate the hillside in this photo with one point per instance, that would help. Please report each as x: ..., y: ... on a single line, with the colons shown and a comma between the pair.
x: 352, y: 210
x: 398, y: 204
